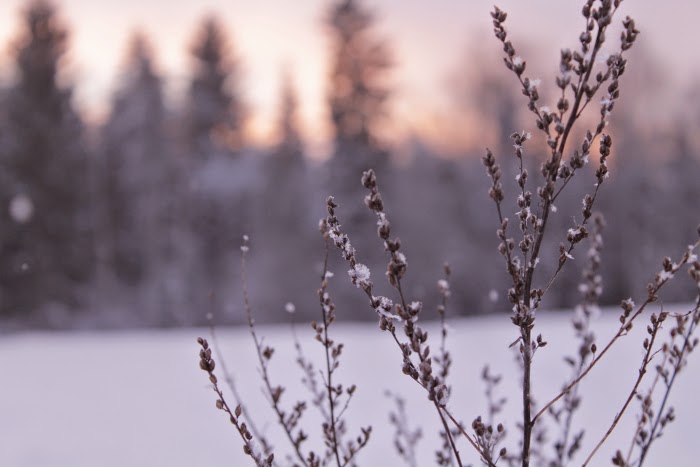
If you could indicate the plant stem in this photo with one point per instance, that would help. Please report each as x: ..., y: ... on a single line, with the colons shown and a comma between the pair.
x: 676, y: 370
x: 527, y: 422
x: 263, y: 364
x: 329, y: 370
x: 633, y: 392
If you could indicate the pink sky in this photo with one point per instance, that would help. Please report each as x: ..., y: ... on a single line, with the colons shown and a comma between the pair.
x: 428, y: 39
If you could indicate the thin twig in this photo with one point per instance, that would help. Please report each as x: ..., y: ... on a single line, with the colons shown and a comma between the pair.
x: 208, y: 364
x: 329, y: 370
x: 669, y: 385
x: 622, y: 331
x: 360, y: 277
x: 271, y: 392
x: 649, y: 345
x: 228, y: 378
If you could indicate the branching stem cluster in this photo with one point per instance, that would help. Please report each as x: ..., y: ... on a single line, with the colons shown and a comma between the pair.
x: 583, y: 75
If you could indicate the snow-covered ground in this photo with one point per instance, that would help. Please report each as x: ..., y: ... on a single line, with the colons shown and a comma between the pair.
x: 139, y: 399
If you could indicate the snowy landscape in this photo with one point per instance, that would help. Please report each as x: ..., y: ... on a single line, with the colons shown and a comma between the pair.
x: 139, y: 398
x: 132, y: 216
x: 514, y: 171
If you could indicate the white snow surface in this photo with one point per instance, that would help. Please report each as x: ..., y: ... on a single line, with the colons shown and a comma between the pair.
x: 138, y: 398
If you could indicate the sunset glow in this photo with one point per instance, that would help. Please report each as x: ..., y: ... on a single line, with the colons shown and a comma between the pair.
x: 429, y: 41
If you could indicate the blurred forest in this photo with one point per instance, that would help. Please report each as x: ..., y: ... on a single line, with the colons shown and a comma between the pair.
x: 138, y: 221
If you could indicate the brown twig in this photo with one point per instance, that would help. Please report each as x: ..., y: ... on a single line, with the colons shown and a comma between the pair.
x: 207, y: 364
x: 523, y: 296
x: 264, y: 355
x: 327, y: 318
x: 359, y: 275
x: 687, y: 345
x: 653, y: 331
x: 625, y: 327
x: 230, y: 382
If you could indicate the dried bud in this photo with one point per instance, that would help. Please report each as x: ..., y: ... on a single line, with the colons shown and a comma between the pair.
x: 369, y: 179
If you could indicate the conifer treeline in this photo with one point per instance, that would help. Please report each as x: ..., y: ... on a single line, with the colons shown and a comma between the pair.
x: 141, y: 225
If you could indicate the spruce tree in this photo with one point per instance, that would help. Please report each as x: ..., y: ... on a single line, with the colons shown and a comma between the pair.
x: 214, y: 110
x: 285, y: 170
x: 289, y: 144
x: 358, y: 96
x: 213, y: 120
x: 47, y: 250
x: 139, y: 186
x: 283, y: 218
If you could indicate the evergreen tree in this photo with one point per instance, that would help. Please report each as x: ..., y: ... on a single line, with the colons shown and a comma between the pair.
x: 358, y: 103
x: 290, y: 144
x: 139, y: 183
x: 283, y: 221
x: 214, y: 110
x: 285, y: 171
x: 218, y: 206
x: 46, y: 215
x: 358, y: 98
